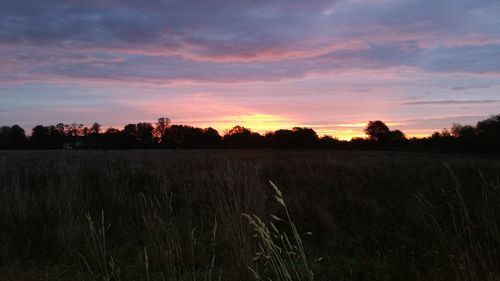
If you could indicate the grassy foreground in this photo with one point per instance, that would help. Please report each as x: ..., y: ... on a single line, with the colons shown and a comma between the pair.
x: 214, y: 215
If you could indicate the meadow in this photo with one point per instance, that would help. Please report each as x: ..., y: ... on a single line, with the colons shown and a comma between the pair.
x: 206, y: 215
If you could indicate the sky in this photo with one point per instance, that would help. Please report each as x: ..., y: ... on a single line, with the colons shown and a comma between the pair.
x: 418, y: 65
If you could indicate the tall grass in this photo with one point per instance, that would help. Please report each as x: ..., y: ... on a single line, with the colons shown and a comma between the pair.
x: 468, y: 230
x: 100, y: 265
x: 280, y: 254
x: 177, y: 215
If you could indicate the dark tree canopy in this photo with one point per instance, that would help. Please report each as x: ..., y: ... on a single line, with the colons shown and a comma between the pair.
x: 377, y: 130
x: 241, y: 137
x: 484, y: 136
x: 397, y: 135
x: 296, y: 138
x: 461, y: 131
x: 144, y: 134
x: 161, y: 127
x: 95, y: 129
x: 488, y: 131
x: 12, y: 137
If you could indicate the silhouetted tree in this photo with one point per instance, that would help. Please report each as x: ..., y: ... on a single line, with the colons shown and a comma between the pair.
x: 241, y: 137
x: 61, y: 128
x: 113, y: 139
x: 4, y: 137
x: 280, y: 139
x: 464, y: 136
x: 305, y: 137
x: 40, y: 137
x: 360, y: 143
x: 144, y: 134
x: 397, y: 136
x: 181, y: 136
x: 74, y: 130
x: 296, y: 138
x: 71, y: 135
x: 128, y: 137
x: 93, y: 135
x: 460, y: 131
x: 161, y: 127
x: 95, y: 129
x: 12, y: 137
x: 330, y: 142
x: 488, y: 132
x: 178, y: 136
x: 485, y: 136
x: 211, y: 138
x: 138, y: 135
x: 17, y: 137
x: 377, y: 131
x: 130, y: 129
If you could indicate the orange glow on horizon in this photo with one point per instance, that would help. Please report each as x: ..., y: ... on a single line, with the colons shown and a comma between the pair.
x: 263, y: 123
x: 257, y: 122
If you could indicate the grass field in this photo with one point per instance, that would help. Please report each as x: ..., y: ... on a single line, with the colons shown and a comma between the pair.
x: 214, y: 215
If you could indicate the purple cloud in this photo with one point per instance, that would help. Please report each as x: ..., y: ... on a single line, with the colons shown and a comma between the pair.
x: 353, y: 58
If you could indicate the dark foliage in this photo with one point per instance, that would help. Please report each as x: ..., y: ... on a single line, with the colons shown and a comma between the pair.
x: 295, y: 138
x: 484, y: 136
x: 181, y: 136
x: 12, y: 137
x: 241, y: 137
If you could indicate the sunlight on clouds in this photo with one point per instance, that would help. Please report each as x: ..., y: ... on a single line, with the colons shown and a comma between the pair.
x: 341, y: 134
x: 363, y: 124
x: 350, y: 125
x: 260, y: 64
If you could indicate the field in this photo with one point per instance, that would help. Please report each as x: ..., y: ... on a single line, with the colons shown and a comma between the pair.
x: 214, y: 215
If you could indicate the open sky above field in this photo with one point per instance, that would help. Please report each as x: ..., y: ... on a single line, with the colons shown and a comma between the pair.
x: 418, y: 65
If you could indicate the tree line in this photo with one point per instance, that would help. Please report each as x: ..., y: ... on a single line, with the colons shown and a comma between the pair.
x: 484, y: 136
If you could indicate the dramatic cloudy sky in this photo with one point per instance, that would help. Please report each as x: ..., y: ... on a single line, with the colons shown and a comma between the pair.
x: 419, y: 65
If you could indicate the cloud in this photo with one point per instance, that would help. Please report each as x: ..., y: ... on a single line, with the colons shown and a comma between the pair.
x: 451, y: 102
x: 472, y: 87
x: 394, y: 32
x: 478, y: 59
x: 343, y: 60
x: 425, y: 126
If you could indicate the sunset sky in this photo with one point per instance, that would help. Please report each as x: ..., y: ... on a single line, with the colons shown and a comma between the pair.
x: 264, y: 64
